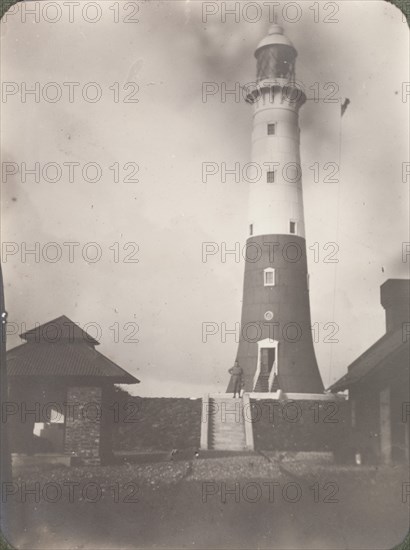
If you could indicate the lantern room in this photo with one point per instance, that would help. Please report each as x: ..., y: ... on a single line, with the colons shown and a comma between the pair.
x: 275, y: 56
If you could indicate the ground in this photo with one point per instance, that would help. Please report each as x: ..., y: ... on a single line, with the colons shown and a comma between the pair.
x: 218, y: 501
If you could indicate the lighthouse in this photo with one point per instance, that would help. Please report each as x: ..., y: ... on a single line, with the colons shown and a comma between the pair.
x: 276, y: 347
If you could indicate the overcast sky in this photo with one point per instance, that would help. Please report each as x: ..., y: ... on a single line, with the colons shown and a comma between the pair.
x: 169, y: 213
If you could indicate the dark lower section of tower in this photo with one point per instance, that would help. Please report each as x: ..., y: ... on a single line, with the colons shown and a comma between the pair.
x: 276, y: 346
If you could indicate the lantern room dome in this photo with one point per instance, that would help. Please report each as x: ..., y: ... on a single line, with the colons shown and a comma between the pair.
x: 275, y: 37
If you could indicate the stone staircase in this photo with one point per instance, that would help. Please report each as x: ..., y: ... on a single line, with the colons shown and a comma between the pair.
x: 275, y: 384
x: 262, y: 384
x: 226, y: 430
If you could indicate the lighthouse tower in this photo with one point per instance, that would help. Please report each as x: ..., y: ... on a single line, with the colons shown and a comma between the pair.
x: 276, y: 347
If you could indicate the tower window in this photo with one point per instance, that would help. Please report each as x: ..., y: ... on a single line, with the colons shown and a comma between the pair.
x: 292, y: 227
x: 251, y: 229
x: 271, y: 129
x: 270, y: 177
x: 269, y: 277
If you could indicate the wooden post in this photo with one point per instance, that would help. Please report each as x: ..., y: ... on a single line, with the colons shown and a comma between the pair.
x: 205, y: 422
x: 247, y: 419
x: 385, y: 426
x: 5, y: 457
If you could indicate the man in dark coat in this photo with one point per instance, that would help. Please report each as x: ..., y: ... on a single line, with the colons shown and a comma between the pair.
x: 236, y: 372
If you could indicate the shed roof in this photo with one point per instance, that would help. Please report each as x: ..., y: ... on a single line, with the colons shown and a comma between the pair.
x: 63, y: 358
x: 371, y: 359
x: 61, y: 329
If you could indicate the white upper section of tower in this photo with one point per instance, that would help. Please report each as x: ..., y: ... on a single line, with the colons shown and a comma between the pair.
x: 276, y: 202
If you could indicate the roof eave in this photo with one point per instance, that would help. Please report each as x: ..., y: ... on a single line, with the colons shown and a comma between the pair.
x: 351, y: 377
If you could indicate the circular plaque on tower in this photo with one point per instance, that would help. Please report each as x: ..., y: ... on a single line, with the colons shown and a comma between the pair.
x: 268, y: 316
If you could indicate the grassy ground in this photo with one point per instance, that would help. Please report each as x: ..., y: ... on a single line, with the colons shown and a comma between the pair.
x: 248, y: 501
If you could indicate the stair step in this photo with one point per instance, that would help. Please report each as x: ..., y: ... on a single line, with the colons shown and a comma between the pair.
x: 236, y: 437
x: 226, y: 426
x: 228, y: 444
x: 224, y: 441
x: 224, y: 447
x: 226, y: 433
x: 221, y: 435
x: 228, y: 439
x: 230, y: 425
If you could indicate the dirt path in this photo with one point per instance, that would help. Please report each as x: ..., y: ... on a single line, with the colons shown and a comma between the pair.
x: 244, y: 502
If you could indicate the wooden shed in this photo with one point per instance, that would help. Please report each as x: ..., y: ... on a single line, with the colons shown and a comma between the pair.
x: 61, y: 394
x: 379, y: 385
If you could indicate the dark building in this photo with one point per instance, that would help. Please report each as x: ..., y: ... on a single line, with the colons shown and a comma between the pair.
x: 378, y: 384
x: 61, y: 387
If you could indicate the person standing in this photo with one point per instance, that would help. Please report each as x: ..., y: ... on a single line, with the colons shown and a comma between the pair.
x: 236, y: 372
